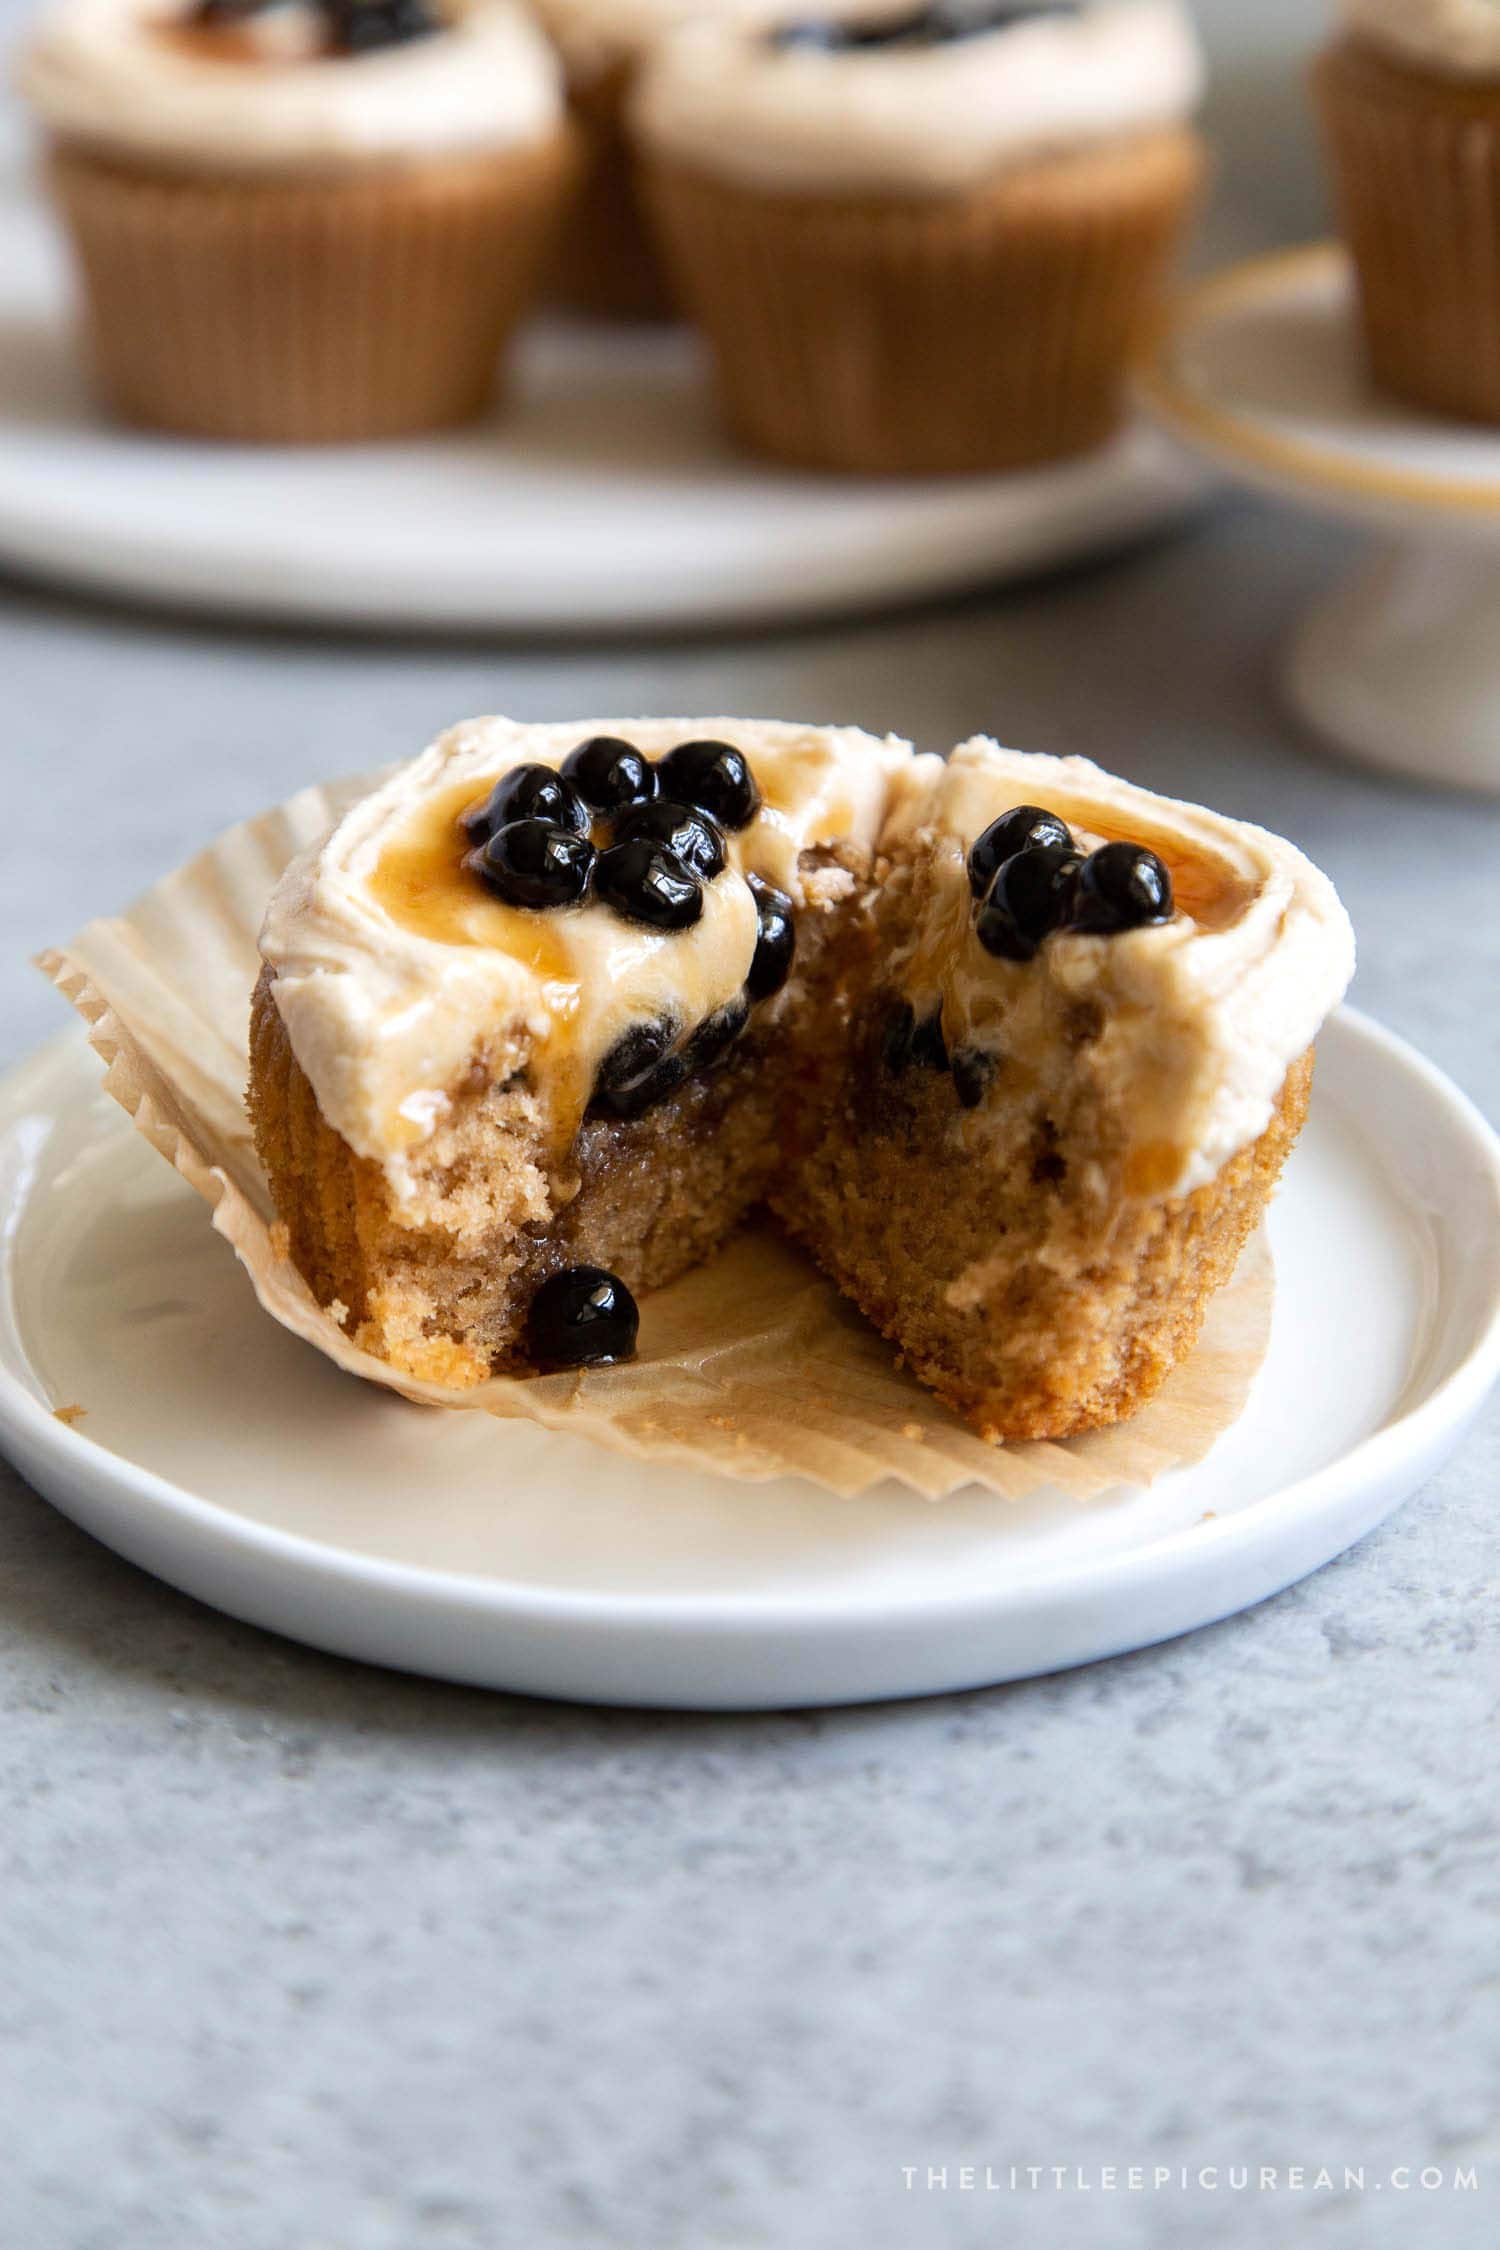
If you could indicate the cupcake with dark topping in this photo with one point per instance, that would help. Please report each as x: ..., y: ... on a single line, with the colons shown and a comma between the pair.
x: 922, y: 235
x: 300, y: 222
x: 533, y: 1011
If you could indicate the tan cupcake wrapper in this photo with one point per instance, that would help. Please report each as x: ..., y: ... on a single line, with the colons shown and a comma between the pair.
x: 1416, y: 169
x: 753, y: 1366
x: 606, y: 262
x: 313, y: 310
x: 988, y: 330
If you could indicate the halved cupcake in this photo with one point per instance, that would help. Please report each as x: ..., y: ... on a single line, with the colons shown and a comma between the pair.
x: 923, y: 238
x: 1016, y: 1050
x: 1078, y: 1056
x: 297, y: 223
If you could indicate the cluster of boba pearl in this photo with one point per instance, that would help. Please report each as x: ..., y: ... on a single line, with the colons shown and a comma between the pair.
x: 533, y: 836
x: 532, y: 842
x: 1029, y: 879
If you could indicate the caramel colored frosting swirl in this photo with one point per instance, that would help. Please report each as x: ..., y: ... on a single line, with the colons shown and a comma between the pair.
x: 135, y: 79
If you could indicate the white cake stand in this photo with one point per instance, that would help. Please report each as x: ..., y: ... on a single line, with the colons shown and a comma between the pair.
x: 1262, y: 370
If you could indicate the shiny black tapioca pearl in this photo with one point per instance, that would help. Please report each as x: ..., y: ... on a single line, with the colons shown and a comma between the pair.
x: 1029, y: 898
x: 529, y: 792
x: 584, y: 1317
x: 610, y: 775
x: 716, y: 1034
x: 973, y: 1074
x: 1120, y: 887
x: 685, y: 832
x: 1019, y: 830
x: 776, y: 942
x: 636, y: 1052
x: 358, y: 27
x: 639, y: 1094
x: 644, y: 882
x: 640, y: 1070
x: 531, y: 863
x: 715, y: 777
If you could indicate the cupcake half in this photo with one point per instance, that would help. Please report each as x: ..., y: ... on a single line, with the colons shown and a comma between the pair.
x: 923, y: 239
x: 1409, y: 97
x: 300, y: 223
x: 1016, y: 1051
x: 1078, y: 1053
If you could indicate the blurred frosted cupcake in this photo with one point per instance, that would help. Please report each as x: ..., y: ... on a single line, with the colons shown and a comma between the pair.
x: 607, y: 263
x: 296, y: 222
x: 1410, y: 101
x: 924, y: 239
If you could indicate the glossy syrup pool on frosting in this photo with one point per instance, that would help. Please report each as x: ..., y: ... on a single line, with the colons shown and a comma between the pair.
x: 421, y: 882
x: 1205, y: 887
x: 599, y: 974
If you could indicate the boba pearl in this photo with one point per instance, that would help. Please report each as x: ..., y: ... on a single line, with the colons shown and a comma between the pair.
x: 1015, y: 831
x: 1120, y: 887
x: 610, y: 775
x: 645, y: 882
x: 584, y: 1317
x: 716, y: 778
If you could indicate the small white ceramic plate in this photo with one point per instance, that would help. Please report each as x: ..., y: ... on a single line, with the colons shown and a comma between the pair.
x: 605, y: 500
x: 224, y: 1456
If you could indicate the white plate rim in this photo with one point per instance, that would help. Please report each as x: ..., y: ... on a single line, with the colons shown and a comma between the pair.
x: 1380, y: 1460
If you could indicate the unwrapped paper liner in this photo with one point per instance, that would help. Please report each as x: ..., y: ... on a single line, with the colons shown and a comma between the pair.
x: 753, y: 1367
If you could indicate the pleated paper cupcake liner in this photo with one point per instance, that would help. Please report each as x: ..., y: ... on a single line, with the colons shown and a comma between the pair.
x: 1416, y: 169
x: 311, y: 311
x: 606, y: 263
x: 752, y: 1367
x: 982, y: 331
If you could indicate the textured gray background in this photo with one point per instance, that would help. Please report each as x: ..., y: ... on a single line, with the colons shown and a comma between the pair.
x: 297, y: 1954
